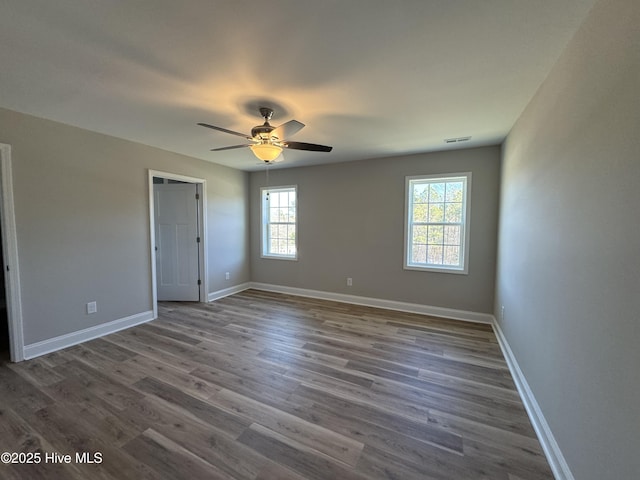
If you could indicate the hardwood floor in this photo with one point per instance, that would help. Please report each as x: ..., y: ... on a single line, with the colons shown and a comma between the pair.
x: 266, y: 386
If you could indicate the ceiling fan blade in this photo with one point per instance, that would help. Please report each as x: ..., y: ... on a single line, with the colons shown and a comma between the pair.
x: 287, y: 129
x: 229, y: 148
x: 307, y: 146
x: 220, y: 129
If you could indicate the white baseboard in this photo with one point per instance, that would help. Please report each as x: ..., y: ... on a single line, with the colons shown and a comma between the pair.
x: 63, y: 341
x: 225, y: 292
x: 379, y: 303
x: 551, y: 448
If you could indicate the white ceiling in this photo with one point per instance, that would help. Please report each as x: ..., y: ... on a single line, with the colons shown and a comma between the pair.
x: 372, y: 78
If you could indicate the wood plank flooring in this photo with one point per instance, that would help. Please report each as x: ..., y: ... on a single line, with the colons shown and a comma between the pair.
x: 262, y: 386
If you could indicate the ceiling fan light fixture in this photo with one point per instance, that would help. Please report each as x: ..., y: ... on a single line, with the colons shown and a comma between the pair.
x: 266, y: 151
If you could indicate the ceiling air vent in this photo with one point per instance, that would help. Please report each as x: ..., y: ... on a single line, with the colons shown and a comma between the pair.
x: 457, y: 140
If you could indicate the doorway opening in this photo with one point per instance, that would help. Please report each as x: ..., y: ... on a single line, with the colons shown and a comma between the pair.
x: 177, y: 213
x: 11, y: 335
x: 5, y: 348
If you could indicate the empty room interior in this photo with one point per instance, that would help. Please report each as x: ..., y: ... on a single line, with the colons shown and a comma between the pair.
x: 307, y: 240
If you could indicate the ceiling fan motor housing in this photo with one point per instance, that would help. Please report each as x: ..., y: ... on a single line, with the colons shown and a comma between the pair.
x: 262, y: 132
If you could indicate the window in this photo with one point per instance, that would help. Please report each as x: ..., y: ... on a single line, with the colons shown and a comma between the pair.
x: 437, y: 223
x: 279, y: 219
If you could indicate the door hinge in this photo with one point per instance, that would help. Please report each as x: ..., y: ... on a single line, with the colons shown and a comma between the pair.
x: 199, y: 282
x: 197, y: 196
x: 197, y: 239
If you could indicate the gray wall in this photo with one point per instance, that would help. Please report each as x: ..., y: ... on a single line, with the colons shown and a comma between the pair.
x: 82, y: 215
x: 351, y: 221
x: 569, y: 256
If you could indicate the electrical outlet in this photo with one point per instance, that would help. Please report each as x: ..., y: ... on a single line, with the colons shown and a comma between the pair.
x: 92, y: 307
x: 227, y: 276
x: 349, y: 282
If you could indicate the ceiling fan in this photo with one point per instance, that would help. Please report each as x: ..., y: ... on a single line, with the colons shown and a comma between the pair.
x: 268, y: 141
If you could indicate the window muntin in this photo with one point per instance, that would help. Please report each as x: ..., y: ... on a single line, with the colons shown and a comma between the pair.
x: 436, y: 221
x: 279, y: 222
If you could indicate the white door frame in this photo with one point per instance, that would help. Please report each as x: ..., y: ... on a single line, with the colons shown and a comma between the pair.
x: 202, y: 218
x: 11, y: 265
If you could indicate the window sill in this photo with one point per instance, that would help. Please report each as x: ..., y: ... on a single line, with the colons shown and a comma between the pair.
x: 280, y: 257
x: 457, y: 271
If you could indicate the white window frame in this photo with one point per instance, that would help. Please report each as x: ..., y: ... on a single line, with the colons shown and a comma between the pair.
x: 463, y: 267
x: 265, y: 222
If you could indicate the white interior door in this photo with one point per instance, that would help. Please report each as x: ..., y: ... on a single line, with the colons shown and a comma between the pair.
x: 176, y: 225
